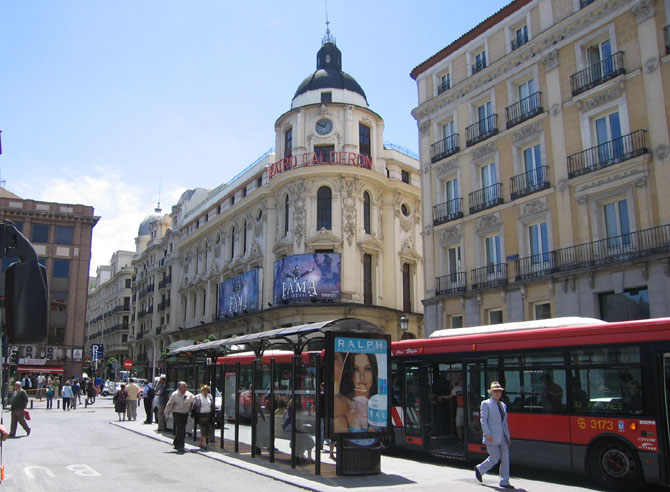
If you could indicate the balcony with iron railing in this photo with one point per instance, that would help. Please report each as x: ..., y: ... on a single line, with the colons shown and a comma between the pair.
x: 608, y: 153
x: 596, y: 254
x: 529, y: 182
x: 481, y: 130
x: 163, y: 305
x: 523, y: 110
x: 444, y: 85
x: 453, y: 283
x: 447, y: 211
x: 485, y: 198
x: 666, y: 38
x: 165, y: 282
x: 493, y: 275
x: 584, y: 3
x: 519, y: 41
x: 159, y: 330
x: 444, y: 148
x: 596, y: 74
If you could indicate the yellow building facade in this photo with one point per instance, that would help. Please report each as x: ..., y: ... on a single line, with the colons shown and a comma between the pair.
x: 544, y: 157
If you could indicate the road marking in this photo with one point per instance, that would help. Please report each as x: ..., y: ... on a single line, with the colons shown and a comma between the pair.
x: 83, y: 470
x: 28, y: 470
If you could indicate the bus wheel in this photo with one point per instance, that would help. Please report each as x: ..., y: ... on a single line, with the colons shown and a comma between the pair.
x: 388, y: 443
x: 613, y: 464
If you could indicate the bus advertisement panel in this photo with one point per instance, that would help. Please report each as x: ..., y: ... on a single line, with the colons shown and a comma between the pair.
x: 239, y: 294
x: 359, y: 399
x: 304, y: 278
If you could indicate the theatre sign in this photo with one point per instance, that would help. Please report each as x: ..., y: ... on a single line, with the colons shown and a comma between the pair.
x: 322, y: 158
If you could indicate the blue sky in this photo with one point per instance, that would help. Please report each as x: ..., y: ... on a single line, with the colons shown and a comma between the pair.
x: 103, y: 102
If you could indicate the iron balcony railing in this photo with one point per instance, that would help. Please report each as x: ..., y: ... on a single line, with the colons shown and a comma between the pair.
x: 523, y: 110
x: 584, y: 3
x: 604, y: 252
x: 666, y: 37
x: 608, y: 153
x: 452, y: 283
x: 519, y: 41
x: 162, y: 306
x: 485, y: 198
x: 493, y: 275
x: 166, y: 281
x: 444, y: 85
x: 597, y: 73
x: 529, y: 182
x: 444, y: 148
x: 159, y: 330
x: 447, y: 211
x: 139, y: 336
x: 481, y: 130
x: 478, y: 67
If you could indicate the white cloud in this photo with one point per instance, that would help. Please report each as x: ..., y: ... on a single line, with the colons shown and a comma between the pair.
x: 120, y: 205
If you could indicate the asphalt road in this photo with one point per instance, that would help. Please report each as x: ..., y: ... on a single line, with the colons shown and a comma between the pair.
x: 80, y: 451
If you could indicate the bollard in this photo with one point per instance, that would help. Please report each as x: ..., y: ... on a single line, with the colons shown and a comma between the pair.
x: 31, y: 403
x: 86, y: 403
x: 58, y: 405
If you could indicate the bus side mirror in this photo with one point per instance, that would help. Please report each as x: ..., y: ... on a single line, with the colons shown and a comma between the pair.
x: 26, y: 309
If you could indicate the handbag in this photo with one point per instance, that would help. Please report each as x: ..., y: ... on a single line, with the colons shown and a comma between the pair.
x: 26, y: 414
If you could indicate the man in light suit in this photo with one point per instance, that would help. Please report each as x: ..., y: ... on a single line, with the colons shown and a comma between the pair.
x: 493, y: 417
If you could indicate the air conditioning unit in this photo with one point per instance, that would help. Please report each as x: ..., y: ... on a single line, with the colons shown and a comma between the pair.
x: 51, y: 353
x: 29, y: 351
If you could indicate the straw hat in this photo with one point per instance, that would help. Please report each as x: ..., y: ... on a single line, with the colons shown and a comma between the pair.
x: 495, y: 385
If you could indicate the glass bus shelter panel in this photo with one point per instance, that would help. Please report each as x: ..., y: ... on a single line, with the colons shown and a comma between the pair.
x: 666, y: 381
x: 229, y: 382
x: 479, y: 377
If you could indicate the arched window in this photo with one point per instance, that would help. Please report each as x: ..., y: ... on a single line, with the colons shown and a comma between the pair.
x: 323, y: 208
x: 232, y: 243
x: 366, y: 212
x: 286, y: 212
x: 244, y: 241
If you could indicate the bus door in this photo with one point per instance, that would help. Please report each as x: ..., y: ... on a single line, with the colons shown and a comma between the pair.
x: 666, y: 401
x: 479, y: 374
x: 415, y: 406
x: 445, y: 392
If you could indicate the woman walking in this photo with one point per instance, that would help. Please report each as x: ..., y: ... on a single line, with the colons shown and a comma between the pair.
x: 51, y: 391
x: 120, y: 402
x: 204, y: 413
x: 67, y: 395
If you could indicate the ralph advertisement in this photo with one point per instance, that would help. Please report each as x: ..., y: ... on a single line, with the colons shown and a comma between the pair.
x: 303, y: 278
x: 360, y: 389
x: 239, y: 295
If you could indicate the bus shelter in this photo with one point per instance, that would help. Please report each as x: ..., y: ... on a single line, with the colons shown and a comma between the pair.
x: 304, y: 384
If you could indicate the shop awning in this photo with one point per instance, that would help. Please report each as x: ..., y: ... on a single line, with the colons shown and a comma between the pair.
x: 47, y: 369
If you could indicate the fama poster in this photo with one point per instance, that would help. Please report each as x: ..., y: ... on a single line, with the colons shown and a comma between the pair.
x: 305, y: 278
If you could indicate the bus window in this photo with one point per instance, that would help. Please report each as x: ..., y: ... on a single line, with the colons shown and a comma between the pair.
x: 607, y: 390
x: 535, y: 389
x: 413, y: 397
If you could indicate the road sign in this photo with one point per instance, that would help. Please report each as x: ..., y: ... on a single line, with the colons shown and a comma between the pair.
x: 97, y: 351
x: 128, y: 364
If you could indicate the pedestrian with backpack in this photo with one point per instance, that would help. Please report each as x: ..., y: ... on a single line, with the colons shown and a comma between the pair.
x: 148, y: 394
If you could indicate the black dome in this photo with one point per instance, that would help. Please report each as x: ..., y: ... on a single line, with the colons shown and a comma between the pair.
x: 329, y: 74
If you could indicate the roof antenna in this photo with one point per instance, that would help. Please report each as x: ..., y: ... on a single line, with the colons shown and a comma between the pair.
x: 158, y: 207
x: 328, y: 38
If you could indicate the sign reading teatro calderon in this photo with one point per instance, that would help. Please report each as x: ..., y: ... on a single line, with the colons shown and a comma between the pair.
x: 320, y: 159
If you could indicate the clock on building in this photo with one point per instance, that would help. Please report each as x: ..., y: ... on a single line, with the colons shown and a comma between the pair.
x: 324, y: 126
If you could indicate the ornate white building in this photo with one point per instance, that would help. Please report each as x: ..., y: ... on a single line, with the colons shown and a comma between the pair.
x: 328, y: 226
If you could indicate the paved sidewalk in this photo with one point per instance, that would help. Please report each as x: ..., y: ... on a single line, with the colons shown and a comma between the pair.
x: 397, y: 473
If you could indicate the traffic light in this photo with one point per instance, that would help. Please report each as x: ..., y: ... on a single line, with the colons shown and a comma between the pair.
x: 15, y: 356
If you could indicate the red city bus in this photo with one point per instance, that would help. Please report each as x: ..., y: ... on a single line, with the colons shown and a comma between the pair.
x: 583, y: 395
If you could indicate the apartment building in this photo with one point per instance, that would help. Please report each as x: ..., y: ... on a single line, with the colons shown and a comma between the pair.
x: 544, y: 157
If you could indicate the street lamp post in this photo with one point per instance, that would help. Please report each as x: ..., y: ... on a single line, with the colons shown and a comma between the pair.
x: 404, y: 326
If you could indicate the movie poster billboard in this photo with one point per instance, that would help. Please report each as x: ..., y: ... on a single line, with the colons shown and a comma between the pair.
x: 359, y: 403
x: 304, y: 278
x: 239, y: 294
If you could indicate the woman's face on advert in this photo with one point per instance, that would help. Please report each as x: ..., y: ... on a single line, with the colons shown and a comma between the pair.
x: 363, y: 375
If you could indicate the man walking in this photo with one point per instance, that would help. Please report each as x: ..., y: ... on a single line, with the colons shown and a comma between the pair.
x: 493, y: 417
x: 18, y: 407
x: 179, y: 404
x: 161, y: 392
x: 133, y: 393
x: 148, y: 394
